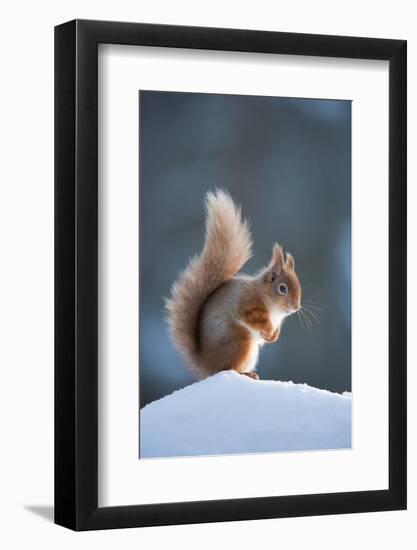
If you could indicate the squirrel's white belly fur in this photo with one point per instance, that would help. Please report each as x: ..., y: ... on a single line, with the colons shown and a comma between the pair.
x: 257, y: 342
x: 252, y: 359
x: 276, y: 317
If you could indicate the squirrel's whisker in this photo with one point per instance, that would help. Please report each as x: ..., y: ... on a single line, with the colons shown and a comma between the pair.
x: 308, y: 308
x: 313, y: 315
x: 310, y: 324
x: 309, y: 301
x: 306, y: 320
x: 311, y: 305
x: 299, y: 320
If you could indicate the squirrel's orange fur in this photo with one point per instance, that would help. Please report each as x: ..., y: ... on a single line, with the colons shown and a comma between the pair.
x: 217, y: 319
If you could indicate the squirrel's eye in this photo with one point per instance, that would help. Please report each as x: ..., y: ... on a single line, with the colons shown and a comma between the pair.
x: 282, y: 289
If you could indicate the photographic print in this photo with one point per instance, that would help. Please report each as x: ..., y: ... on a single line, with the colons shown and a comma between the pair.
x: 244, y: 274
x: 219, y: 197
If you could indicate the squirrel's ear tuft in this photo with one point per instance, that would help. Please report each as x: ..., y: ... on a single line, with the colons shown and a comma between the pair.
x: 276, y: 265
x: 289, y: 264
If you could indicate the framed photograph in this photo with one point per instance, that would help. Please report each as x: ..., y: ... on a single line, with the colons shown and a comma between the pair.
x: 230, y: 284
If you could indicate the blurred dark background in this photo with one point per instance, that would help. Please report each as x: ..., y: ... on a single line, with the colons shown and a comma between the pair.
x: 288, y: 163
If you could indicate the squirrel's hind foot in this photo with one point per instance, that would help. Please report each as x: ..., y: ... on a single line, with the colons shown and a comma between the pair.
x: 252, y: 375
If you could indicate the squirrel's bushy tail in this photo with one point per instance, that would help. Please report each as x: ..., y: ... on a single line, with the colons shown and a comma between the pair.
x: 227, y: 247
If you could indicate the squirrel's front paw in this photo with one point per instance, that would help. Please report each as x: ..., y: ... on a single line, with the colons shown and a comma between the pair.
x: 271, y: 337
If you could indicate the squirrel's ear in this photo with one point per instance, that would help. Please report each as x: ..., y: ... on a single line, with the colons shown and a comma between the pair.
x: 289, y: 264
x: 276, y: 265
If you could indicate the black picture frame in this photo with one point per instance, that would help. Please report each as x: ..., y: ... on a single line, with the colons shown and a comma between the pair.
x: 76, y: 272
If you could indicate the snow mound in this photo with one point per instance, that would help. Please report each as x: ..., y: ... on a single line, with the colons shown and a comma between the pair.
x: 229, y: 413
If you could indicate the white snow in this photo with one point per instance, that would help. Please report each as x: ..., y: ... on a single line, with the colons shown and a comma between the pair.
x: 229, y: 413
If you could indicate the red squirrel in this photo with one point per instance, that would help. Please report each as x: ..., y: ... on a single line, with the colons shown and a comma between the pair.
x: 218, y: 319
